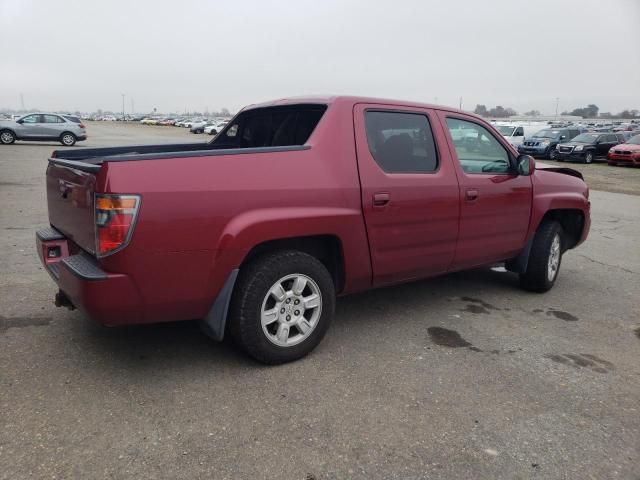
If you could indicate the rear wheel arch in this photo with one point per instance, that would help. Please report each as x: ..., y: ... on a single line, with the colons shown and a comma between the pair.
x: 326, y: 248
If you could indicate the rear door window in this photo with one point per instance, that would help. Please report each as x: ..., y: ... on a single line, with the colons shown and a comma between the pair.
x: 401, y: 142
x: 52, y: 119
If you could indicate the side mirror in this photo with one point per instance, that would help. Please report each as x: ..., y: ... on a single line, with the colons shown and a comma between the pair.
x: 20, y: 121
x: 526, y: 165
x: 562, y: 137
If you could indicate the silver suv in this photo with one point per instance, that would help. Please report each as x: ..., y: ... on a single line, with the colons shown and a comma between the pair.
x: 66, y: 129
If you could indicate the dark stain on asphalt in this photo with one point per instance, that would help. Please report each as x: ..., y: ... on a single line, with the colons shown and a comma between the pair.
x: 449, y: 338
x: 21, y: 322
x: 637, y: 331
x: 486, y: 305
x: 567, y: 317
x: 583, y: 360
x: 538, y: 310
x: 477, y: 309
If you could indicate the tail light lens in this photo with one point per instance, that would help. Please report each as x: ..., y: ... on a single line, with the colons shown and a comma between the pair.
x: 81, y: 125
x: 115, y: 217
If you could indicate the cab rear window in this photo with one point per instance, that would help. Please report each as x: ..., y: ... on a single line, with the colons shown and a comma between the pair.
x: 282, y: 126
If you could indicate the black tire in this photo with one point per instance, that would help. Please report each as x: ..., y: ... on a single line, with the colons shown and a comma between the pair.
x: 68, y: 139
x: 553, y: 154
x: 252, y: 287
x: 588, y: 157
x: 7, y: 137
x: 612, y: 164
x: 537, y: 278
x: 213, y: 132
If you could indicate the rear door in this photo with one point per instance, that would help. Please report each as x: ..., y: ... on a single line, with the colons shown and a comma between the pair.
x: 52, y: 126
x: 495, y: 203
x: 409, y: 191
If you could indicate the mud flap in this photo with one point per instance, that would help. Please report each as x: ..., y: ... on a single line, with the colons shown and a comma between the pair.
x: 519, y: 264
x: 214, y: 322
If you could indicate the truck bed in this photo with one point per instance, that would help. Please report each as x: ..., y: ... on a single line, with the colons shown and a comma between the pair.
x: 90, y: 159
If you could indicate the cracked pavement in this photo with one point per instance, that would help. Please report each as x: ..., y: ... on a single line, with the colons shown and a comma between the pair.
x: 462, y: 376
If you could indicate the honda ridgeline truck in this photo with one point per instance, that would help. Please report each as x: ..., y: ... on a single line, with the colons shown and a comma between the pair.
x: 293, y: 203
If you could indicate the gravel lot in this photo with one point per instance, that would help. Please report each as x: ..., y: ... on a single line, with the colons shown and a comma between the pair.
x: 463, y: 376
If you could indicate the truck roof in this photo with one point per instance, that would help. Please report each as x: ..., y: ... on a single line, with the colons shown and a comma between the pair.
x: 334, y: 99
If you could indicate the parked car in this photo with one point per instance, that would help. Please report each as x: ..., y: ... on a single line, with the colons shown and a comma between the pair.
x: 296, y: 201
x: 588, y: 147
x: 627, y: 153
x: 65, y: 129
x: 543, y: 143
x: 215, y: 128
x: 198, y: 127
x: 189, y: 123
x: 516, y: 134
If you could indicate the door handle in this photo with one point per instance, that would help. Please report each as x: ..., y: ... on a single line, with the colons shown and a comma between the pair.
x: 381, y: 199
x: 471, y: 195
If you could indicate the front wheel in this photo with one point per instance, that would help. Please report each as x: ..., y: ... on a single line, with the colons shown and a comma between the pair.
x: 282, y: 306
x: 7, y: 137
x: 68, y: 139
x: 544, y: 259
x: 553, y: 153
x: 588, y: 157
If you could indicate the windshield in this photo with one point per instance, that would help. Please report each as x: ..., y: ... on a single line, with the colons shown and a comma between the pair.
x: 547, y: 134
x: 634, y: 140
x: 585, y: 138
x: 505, y: 130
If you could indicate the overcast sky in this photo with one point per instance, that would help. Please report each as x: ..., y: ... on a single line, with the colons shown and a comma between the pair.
x: 177, y: 55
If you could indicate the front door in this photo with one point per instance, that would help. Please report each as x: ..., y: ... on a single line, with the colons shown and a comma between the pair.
x: 495, y: 202
x: 30, y: 126
x: 409, y: 191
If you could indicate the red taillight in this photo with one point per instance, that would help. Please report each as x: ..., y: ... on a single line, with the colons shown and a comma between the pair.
x: 81, y: 125
x: 115, y: 217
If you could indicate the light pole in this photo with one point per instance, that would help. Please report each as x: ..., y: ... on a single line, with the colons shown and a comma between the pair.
x: 122, y: 106
x: 557, y: 101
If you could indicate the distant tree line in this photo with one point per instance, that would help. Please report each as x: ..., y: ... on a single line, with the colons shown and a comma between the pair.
x: 496, y: 112
x: 592, y: 111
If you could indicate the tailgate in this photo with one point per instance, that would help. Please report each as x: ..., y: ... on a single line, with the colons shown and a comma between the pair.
x: 70, y: 202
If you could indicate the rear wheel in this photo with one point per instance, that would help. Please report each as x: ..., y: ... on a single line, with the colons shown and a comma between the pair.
x: 544, y: 259
x: 7, y: 137
x: 282, y: 306
x: 68, y: 139
x: 588, y: 157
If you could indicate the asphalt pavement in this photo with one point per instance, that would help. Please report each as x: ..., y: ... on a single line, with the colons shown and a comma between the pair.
x: 459, y: 377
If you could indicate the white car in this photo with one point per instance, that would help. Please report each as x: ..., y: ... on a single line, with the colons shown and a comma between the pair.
x: 215, y: 129
x: 191, y: 122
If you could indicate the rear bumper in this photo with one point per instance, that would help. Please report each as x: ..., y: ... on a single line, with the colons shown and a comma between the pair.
x: 108, y: 298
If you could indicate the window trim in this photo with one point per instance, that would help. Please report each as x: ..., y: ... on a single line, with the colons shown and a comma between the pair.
x: 512, y: 161
x: 423, y: 113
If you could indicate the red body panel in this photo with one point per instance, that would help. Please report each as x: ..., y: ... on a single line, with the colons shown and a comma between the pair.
x: 201, y: 215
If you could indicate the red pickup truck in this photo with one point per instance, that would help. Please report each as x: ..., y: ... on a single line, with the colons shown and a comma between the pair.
x: 294, y: 202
